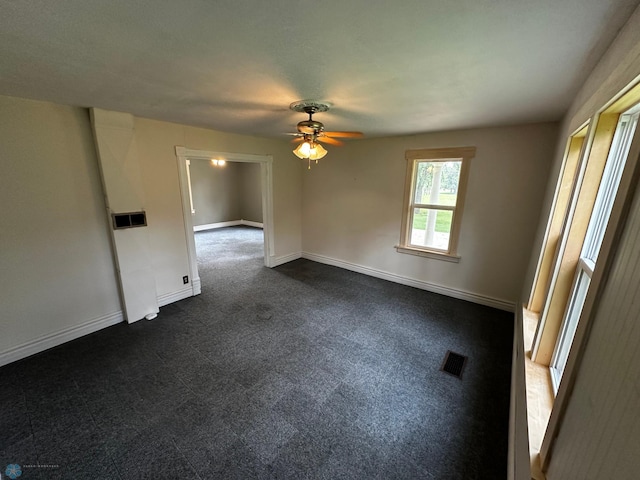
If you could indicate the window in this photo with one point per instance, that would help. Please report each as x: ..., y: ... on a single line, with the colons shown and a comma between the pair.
x: 598, y: 222
x: 434, y: 196
x: 188, y: 164
x: 561, y: 202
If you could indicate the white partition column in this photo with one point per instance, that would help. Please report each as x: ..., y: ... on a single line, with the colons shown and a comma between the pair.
x: 122, y: 182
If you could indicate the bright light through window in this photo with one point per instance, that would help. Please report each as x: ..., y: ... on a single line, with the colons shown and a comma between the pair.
x: 436, y: 179
x: 436, y: 186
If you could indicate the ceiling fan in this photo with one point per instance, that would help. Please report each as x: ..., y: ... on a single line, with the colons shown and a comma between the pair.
x: 311, y: 132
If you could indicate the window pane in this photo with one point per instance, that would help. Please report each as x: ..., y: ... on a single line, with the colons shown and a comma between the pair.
x: 570, y: 325
x: 437, y: 182
x: 609, y: 185
x: 431, y: 228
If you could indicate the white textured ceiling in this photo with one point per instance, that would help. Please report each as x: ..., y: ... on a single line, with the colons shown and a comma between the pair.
x: 235, y: 65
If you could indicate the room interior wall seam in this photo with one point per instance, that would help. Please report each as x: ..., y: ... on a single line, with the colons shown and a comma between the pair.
x: 282, y: 259
x: 566, y: 440
x: 66, y: 335
x: 54, y: 339
x: 614, y: 73
x: 352, y: 206
x: 266, y: 173
x: 216, y: 192
x: 480, y: 299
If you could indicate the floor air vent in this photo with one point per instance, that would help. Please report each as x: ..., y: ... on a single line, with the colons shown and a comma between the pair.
x: 453, y: 364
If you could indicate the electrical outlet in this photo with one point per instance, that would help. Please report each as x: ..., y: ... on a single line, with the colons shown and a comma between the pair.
x: 185, y: 279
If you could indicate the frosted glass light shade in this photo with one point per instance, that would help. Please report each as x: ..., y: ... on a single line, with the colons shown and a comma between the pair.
x: 302, y: 150
x: 317, y: 152
x: 310, y: 150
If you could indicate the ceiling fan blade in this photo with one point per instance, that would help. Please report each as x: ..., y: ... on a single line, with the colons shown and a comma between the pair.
x: 329, y: 140
x: 344, y: 134
x: 297, y: 140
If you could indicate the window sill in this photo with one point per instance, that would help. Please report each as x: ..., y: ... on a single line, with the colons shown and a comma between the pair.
x: 540, y: 396
x: 447, y: 257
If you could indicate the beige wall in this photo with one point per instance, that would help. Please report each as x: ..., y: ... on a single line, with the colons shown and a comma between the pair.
x: 287, y: 180
x: 224, y: 194
x: 56, y: 266
x: 156, y: 143
x: 216, y: 192
x: 599, y: 435
x: 57, y: 271
x: 352, y: 207
x: 251, y: 188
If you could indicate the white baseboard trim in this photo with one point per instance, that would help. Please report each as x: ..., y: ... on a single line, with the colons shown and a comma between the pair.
x: 413, y: 282
x: 181, y: 294
x: 210, y: 226
x: 275, y: 261
x: 232, y: 223
x: 249, y: 223
x: 58, y: 338
x: 196, y: 284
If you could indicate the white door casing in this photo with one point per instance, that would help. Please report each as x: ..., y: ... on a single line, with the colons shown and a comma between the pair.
x: 184, y: 155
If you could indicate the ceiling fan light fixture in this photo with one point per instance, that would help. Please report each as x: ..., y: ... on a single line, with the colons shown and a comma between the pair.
x: 302, y: 150
x: 310, y: 150
x: 311, y: 131
x: 317, y: 152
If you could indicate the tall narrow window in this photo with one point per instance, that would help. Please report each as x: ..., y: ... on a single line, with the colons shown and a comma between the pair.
x: 188, y: 163
x: 593, y: 239
x: 434, y: 197
x: 561, y: 201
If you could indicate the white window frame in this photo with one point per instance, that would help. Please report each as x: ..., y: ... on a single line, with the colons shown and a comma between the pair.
x: 611, y: 176
x: 188, y: 164
x: 413, y: 157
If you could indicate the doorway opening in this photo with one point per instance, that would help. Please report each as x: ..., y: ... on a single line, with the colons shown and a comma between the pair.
x: 187, y: 157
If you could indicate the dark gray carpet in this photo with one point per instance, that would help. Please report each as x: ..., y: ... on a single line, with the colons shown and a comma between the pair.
x: 304, y: 371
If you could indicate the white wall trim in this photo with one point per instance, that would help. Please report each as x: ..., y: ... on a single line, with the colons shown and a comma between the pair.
x: 518, y: 459
x: 249, y: 223
x: 211, y: 226
x: 275, y: 261
x: 232, y: 223
x: 266, y: 172
x: 413, y: 282
x: 58, y: 338
x: 167, y: 298
x: 196, y: 285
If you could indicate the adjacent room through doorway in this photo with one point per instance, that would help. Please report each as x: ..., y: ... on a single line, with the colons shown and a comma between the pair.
x: 227, y: 217
x: 220, y: 190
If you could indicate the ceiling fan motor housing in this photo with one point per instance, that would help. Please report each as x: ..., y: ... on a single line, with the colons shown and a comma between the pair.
x: 310, y: 127
x: 313, y: 131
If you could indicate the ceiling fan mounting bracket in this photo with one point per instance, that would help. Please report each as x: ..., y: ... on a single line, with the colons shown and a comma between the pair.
x: 309, y: 106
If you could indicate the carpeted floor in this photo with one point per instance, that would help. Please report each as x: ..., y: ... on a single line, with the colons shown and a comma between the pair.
x: 304, y: 371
